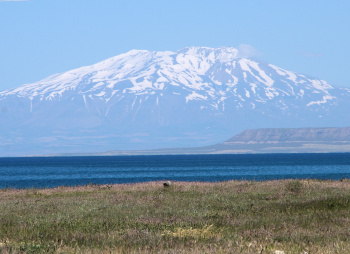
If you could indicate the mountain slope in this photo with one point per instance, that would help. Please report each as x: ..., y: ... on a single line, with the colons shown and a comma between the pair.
x: 143, y: 100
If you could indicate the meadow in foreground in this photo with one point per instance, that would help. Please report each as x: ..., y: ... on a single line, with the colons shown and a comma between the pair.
x: 293, y: 216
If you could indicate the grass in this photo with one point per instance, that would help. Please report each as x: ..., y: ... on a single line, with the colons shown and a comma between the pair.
x: 290, y: 216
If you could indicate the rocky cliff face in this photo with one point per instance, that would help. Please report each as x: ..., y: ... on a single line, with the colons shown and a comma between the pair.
x: 144, y: 100
x: 292, y: 135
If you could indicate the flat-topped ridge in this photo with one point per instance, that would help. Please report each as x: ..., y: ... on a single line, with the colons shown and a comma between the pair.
x: 293, y: 135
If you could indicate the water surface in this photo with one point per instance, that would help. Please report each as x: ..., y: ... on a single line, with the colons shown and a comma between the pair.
x: 41, y: 172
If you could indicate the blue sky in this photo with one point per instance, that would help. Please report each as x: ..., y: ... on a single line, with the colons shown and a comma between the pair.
x: 41, y: 37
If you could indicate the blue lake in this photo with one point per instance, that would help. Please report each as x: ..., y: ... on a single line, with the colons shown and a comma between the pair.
x: 42, y: 172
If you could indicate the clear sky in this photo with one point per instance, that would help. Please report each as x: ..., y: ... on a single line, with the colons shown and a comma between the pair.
x: 39, y: 38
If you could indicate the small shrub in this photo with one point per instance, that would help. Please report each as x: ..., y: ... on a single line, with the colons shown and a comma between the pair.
x: 294, y: 187
x: 105, y: 187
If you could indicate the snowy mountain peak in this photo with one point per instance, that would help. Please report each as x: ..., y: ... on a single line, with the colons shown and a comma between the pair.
x: 222, y: 54
x: 215, y: 76
x: 147, y: 99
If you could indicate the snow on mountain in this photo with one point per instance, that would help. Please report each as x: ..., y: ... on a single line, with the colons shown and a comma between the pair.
x: 144, y: 99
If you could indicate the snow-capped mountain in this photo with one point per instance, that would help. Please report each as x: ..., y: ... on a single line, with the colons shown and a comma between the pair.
x: 141, y: 99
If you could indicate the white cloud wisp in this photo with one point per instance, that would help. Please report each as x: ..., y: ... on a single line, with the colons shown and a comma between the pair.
x: 247, y: 51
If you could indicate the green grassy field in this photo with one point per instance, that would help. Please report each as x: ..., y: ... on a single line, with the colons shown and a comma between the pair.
x: 293, y: 216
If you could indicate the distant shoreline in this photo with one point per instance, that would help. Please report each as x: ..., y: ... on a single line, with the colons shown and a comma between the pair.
x: 151, y: 153
x: 160, y: 183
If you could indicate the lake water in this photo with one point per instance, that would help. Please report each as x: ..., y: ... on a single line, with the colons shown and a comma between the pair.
x: 41, y: 172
